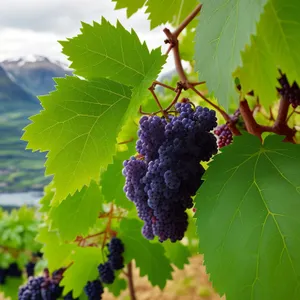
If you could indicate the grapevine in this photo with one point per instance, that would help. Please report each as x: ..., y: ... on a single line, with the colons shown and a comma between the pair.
x: 144, y: 167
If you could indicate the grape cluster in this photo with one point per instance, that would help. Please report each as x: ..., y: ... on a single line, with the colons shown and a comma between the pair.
x: 289, y: 92
x: 167, y: 172
x: 224, y: 133
x: 94, y: 290
x: 42, y: 287
x: 115, y: 261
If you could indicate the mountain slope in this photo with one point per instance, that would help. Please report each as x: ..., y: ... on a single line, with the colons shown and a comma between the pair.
x: 35, y: 73
x: 13, y: 97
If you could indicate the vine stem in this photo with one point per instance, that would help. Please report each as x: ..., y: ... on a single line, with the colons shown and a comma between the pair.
x: 130, y: 282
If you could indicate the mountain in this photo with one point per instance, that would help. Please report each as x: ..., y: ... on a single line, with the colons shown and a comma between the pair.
x: 21, y: 80
x: 35, y: 73
x: 13, y: 97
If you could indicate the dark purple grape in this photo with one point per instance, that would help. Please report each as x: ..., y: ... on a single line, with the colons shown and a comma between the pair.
x: 30, y: 269
x: 162, y: 182
x: 116, y: 246
x: 106, y: 273
x: 289, y: 92
x: 94, y: 290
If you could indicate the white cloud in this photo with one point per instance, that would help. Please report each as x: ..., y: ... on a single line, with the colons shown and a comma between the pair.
x: 34, y: 26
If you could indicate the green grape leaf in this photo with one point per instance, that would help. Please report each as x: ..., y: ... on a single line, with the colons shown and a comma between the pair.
x: 11, y: 288
x: 117, y: 286
x: 248, y: 219
x: 81, y: 210
x: 84, y: 269
x: 113, y: 181
x: 269, y: 51
x: 79, y: 125
x: 149, y: 257
x: 56, y: 253
x: 259, y: 72
x: 177, y: 253
x: 132, y: 6
x: 223, y: 30
x: 177, y: 11
x: 103, y: 50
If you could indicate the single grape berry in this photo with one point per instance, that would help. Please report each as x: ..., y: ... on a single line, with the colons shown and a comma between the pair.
x: 106, y: 273
x: 30, y: 269
x: 289, y: 92
x: 94, y: 290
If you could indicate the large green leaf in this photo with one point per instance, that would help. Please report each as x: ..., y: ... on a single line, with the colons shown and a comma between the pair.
x: 149, y: 257
x: 81, y: 210
x: 55, y: 251
x: 83, y: 269
x: 248, y: 219
x: 103, y: 50
x: 79, y: 127
x: 132, y: 6
x: 275, y: 46
x: 223, y: 31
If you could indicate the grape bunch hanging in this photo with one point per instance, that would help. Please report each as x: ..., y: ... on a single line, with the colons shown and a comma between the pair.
x: 47, y: 287
x: 162, y: 179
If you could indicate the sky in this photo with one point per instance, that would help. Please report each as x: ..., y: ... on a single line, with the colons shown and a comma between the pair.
x: 30, y: 27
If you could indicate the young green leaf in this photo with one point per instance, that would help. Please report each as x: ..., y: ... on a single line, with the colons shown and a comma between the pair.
x: 81, y: 210
x: 276, y: 45
x: 223, y: 31
x: 149, y: 257
x: 83, y: 269
x: 78, y: 126
x: 248, y: 219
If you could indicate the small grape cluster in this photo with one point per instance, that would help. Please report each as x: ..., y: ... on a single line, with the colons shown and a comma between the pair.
x: 12, y: 271
x: 94, y: 289
x: 167, y: 171
x: 289, y: 92
x: 224, y: 133
x: 44, y: 287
